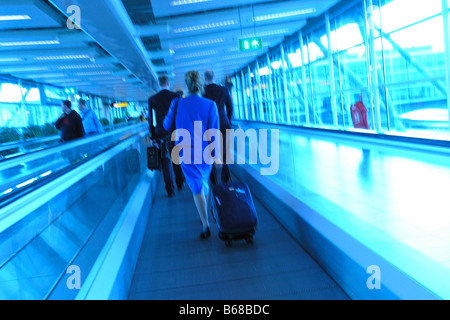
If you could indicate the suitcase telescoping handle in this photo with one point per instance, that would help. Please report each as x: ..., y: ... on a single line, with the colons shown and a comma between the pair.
x: 216, y: 178
x: 214, y: 172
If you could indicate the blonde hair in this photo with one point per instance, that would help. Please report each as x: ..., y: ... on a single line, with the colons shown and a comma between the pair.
x: 194, y: 82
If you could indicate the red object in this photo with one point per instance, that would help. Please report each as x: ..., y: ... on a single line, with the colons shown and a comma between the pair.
x: 359, y: 115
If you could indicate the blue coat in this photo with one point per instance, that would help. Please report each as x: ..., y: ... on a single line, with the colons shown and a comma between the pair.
x: 191, y: 109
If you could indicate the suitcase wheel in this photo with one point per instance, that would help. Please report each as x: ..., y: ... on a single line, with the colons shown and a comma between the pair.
x: 228, y: 243
x: 249, y: 239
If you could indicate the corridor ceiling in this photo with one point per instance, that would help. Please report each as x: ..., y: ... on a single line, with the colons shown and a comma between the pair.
x: 118, y: 48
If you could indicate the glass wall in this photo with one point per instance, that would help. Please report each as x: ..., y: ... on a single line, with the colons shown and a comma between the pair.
x: 29, y: 109
x: 12, y: 113
x: 363, y: 59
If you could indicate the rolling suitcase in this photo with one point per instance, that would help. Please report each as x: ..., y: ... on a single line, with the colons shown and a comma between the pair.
x: 234, y: 212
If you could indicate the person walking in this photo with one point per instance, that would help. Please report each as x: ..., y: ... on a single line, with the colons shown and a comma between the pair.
x: 196, y: 115
x: 69, y: 123
x: 221, y: 96
x: 91, y: 123
x: 160, y: 103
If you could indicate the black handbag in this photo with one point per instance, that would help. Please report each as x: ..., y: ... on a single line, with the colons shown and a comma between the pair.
x: 154, y: 157
x: 154, y: 152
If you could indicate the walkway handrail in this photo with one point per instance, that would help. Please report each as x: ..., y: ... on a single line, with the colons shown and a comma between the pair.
x: 441, y: 147
x: 21, y: 144
x: 15, y: 161
x: 33, y: 196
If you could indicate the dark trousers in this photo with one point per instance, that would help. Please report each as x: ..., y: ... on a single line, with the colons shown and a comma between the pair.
x: 168, y: 168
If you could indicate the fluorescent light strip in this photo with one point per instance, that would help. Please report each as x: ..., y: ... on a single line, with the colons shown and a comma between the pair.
x: 185, y: 2
x: 12, y: 70
x: 46, y: 173
x: 192, y: 63
x: 70, y: 83
x: 10, y: 59
x: 48, y: 76
x: 81, y: 66
x: 8, y: 191
x: 15, y: 17
x: 28, y: 43
x: 95, y: 73
x: 64, y: 57
x: 237, y: 56
x: 198, y: 43
x: 284, y: 14
x: 118, y: 78
x: 205, y: 26
x: 26, y: 183
x: 265, y: 33
x: 197, y: 54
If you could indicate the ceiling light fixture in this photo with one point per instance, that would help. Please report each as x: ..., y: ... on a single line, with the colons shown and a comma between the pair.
x: 117, y: 78
x: 198, y: 43
x: 192, y: 63
x: 81, y: 66
x: 197, y: 54
x: 238, y: 56
x: 10, y: 59
x: 265, y: 33
x: 15, y: 17
x: 47, y: 76
x: 205, y: 26
x: 28, y: 69
x: 95, y: 73
x: 64, y: 57
x: 23, y: 184
x: 28, y: 43
x: 8, y: 191
x: 284, y: 14
x: 185, y: 2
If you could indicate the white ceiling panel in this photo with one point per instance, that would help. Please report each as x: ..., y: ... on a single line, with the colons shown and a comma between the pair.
x: 123, y: 45
x: 165, y: 8
x: 209, y: 31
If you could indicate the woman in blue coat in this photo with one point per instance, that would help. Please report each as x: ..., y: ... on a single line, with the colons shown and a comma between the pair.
x: 194, y: 116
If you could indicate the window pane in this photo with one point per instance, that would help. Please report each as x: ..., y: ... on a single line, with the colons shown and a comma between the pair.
x: 396, y: 14
x: 415, y: 68
x: 12, y: 115
x: 54, y: 95
x: 31, y: 94
x: 10, y: 92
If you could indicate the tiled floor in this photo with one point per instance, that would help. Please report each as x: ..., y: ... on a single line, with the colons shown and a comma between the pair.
x: 175, y: 263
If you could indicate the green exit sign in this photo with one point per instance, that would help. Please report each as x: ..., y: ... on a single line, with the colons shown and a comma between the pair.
x: 250, y: 44
x: 70, y: 90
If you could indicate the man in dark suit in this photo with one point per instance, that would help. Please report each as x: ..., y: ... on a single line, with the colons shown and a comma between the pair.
x: 69, y: 123
x: 71, y: 126
x: 160, y: 103
x: 221, y: 96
